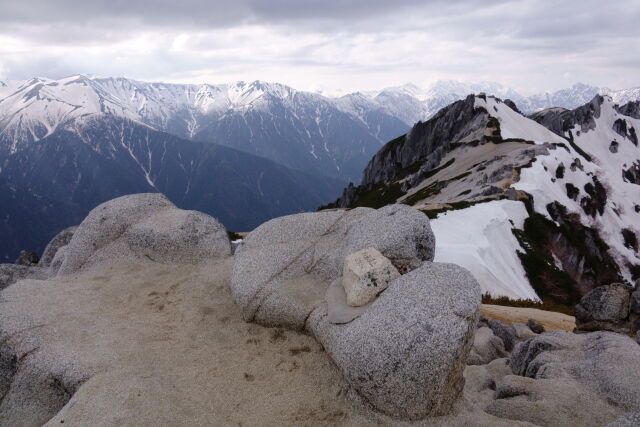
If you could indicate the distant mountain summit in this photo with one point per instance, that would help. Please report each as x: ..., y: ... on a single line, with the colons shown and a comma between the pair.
x: 297, y: 129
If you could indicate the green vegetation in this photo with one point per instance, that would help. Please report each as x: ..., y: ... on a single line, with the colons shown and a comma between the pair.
x: 434, y: 171
x: 428, y: 191
x: 379, y: 196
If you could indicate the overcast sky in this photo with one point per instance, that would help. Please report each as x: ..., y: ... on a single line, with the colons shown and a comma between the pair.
x: 530, y: 45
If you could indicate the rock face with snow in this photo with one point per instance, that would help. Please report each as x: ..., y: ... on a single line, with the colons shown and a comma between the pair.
x: 558, y: 190
x: 288, y: 273
x: 366, y: 273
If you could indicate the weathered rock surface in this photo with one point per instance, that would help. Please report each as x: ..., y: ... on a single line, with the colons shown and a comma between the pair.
x: 316, y: 244
x: 607, y: 308
x: 60, y: 240
x: 603, y: 363
x: 143, y: 226
x: 523, y: 332
x: 27, y: 258
x: 535, y: 326
x: 631, y: 419
x: 486, y: 347
x: 338, y: 311
x: 406, y: 354
x: 11, y: 273
x: 366, y: 273
x: 549, y: 402
x: 505, y: 332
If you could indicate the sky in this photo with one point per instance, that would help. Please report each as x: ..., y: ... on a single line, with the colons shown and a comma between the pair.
x: 329, y: 45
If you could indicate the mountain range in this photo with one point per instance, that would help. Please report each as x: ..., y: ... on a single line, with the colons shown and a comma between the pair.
x: 243, y: 152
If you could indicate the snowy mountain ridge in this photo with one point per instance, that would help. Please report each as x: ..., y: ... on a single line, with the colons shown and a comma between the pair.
x: 539, y: 207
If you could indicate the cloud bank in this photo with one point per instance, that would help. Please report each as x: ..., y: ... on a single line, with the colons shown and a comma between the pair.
x: 349, y: 44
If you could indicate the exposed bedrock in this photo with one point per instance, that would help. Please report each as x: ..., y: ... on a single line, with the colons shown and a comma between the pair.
x: 36, y: 378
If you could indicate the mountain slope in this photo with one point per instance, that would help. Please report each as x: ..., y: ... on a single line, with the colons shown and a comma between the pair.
x: 30, y: 220
x: 533, y: 210
x: 297, y: 129
x: 97, y: 158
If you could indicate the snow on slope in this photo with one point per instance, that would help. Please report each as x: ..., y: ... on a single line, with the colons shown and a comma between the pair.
x: 515, y: 125
x: 479, y: 238
x: 622, y: 197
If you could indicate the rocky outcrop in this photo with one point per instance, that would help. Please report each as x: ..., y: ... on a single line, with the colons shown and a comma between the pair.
x: 27, y: 258
x: 603, y: 362
x: 405, y: 352
x: 631, y: 109
x: 561, y: 378
x: 144, y: 226
x: 264, y: 280
x: 421, y: 150
x: 60, y: 240
x: 560, y: 120
x: 614, y: 307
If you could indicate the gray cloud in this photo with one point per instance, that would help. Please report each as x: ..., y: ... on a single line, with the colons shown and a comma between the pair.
x: 349, y: 44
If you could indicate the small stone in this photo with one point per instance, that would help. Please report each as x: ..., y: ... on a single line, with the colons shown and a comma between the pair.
x: 506, y: 333
x: 535, y: 326
x: 27, y: 258
x: 523, y: 332
x: 365, y: 274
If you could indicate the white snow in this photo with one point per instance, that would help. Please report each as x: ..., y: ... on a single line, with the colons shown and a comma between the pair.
x: 479, y: 238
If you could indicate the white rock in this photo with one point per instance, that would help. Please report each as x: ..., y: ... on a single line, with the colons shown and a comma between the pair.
x: 365, y: 274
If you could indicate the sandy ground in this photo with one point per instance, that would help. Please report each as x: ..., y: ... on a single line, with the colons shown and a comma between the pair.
x: 165, y: 345
x: 549, y: 319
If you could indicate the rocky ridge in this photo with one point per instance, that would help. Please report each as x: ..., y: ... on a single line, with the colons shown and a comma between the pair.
x: 556, y: 190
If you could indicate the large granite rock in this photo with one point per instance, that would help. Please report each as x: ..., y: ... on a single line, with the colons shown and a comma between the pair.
x: 406, y: 354
x: 604, y: 363
x: 366, y: 273
x: 274, y: 255
x: 144, y: 227
x: 606, y: 307
x: 60, y: 240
